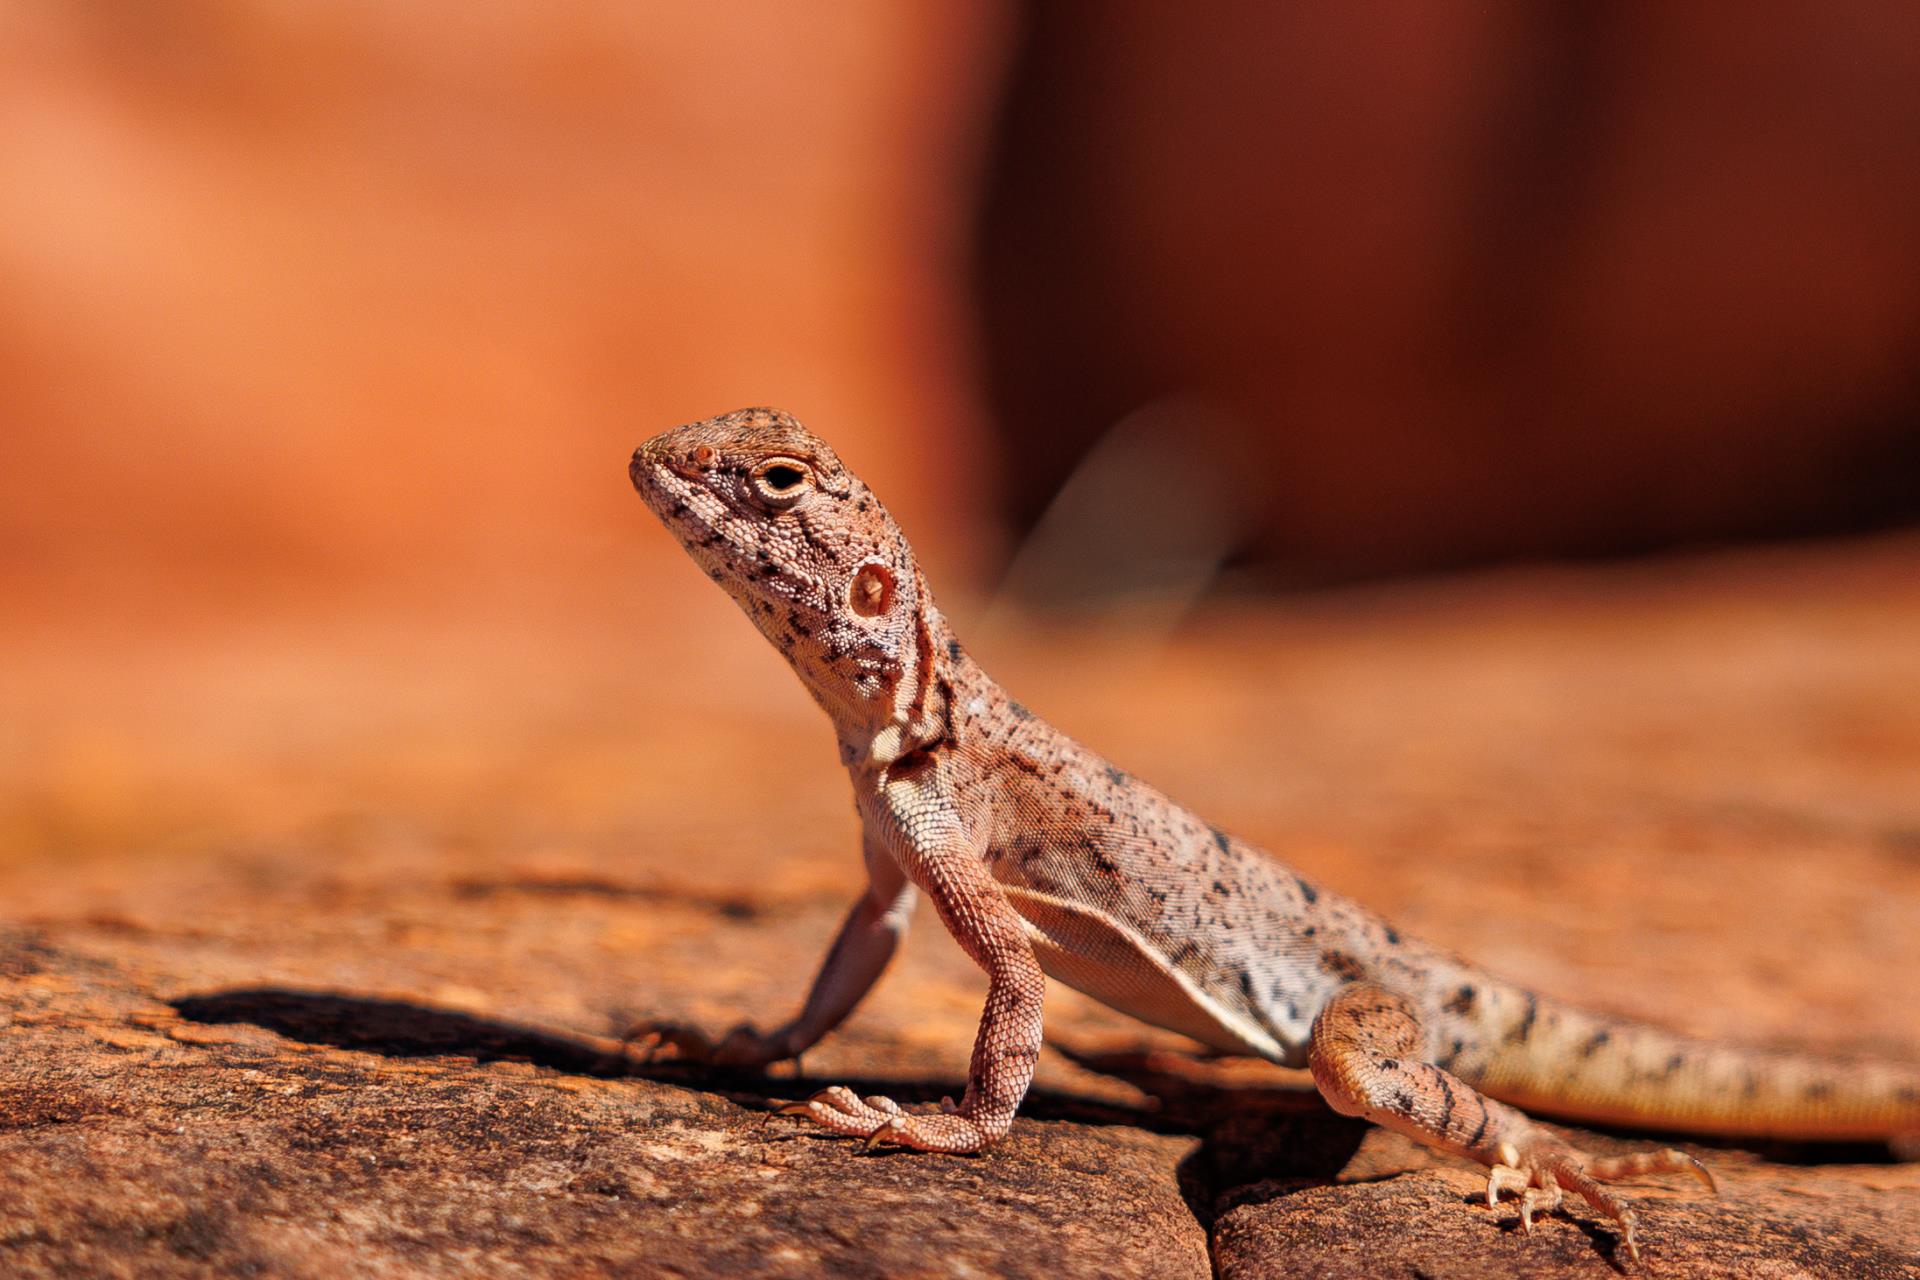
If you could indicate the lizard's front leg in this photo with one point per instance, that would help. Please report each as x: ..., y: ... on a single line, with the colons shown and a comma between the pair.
x: 868, y: 937
x: 947, y: 865
x: 1367, y: 1060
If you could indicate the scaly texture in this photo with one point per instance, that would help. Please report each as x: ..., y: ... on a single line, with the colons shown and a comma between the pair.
x: 1042, y: 858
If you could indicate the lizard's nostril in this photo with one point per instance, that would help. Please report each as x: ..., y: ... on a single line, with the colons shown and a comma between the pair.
x: 703, y: 455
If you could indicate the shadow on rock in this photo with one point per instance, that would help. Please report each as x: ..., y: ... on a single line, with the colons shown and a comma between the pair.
x: 403, y: 1029
x: 412, y: 1029
x: 1259, y: 1142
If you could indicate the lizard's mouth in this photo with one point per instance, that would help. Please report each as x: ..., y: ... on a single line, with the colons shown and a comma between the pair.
x: 658, y: 487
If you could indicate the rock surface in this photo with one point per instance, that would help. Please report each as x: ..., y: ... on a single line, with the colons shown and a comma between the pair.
x: 305, y: 973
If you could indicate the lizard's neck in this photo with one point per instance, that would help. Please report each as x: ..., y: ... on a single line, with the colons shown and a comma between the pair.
x: 908, y: 711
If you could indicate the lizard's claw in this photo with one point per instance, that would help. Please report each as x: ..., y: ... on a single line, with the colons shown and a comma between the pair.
x: 1545, y: 1170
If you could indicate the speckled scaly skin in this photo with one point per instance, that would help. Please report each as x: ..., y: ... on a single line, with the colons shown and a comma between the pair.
x: 1043, y: 858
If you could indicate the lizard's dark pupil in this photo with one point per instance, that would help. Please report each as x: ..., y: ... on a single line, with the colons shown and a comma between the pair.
x: 781, y: 477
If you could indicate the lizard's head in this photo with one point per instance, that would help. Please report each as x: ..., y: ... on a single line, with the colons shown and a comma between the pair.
x: 768, y: 510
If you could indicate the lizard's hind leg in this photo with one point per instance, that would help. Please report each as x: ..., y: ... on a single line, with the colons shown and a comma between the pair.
x: 1367, y: 1059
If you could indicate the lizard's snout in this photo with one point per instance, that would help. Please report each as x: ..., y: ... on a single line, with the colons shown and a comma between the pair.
x: 664, y: 451
x: 656, y: 453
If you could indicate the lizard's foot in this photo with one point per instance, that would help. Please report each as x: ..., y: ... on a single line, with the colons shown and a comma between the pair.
x: 1540, y: 1170
x: 744, y: 1046
x: 878, y: 1120
x: 1364, y: 1058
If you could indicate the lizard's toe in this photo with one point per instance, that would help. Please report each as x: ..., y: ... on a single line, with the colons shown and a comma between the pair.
x: 807, y: 1106
x: 952, y: 1133
x: 744, y: 1046
x: 1538, y: 1200
x: 1614, y: 1168
x: 882, y: 1120
x: 1503, y: 1178
x: 839, y: 1110
x: 648, y: 1038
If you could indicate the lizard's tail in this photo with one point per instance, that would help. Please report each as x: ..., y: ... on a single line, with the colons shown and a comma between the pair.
x: 1586, y: 1066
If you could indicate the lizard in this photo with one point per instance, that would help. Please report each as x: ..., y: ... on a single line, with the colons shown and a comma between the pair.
x: 1043, y: 860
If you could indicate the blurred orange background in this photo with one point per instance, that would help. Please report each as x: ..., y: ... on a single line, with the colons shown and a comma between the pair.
x: 337, y: 298
x: 326, y: 330
x: 330, y: 299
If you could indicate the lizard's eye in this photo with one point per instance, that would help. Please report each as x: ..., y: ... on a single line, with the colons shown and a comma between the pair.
x: 780, y: 482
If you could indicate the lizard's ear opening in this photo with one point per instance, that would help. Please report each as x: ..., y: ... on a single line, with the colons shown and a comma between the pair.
x: 871, y: 593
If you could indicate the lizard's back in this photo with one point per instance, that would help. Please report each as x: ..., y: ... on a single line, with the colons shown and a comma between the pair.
x: 1140, y: 903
